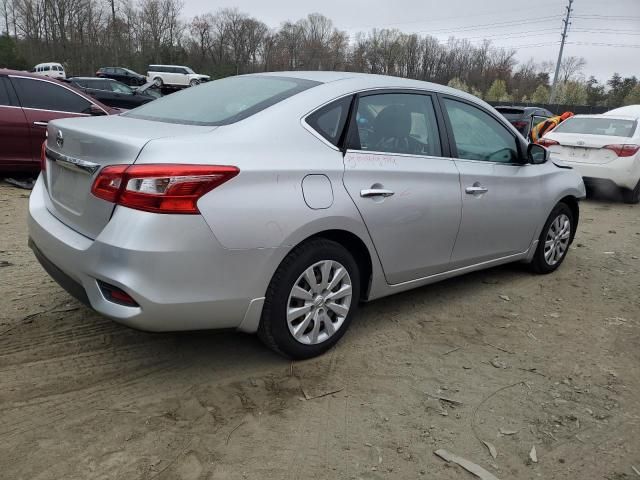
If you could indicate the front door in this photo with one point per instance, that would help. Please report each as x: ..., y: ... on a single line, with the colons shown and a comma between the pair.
x: 500, y: 193
x: 407, y: 190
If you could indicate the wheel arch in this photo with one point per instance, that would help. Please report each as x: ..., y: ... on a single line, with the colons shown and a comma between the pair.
x: 356, y: 247
x: 572, y: 202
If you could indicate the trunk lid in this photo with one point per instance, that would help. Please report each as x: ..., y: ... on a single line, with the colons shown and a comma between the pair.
x: 76, y: 151
x: 584, y: 148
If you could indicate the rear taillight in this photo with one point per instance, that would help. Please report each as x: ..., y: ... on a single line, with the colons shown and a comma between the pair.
x: 623, y: 150
x: 160, y: 188
x: 547, y: 142
x: 521, y: 125
x: 43, y: 157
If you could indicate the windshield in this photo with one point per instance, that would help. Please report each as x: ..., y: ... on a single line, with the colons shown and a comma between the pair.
x: 616, y: 127
x: 189, y: 70
x: 222, y: 102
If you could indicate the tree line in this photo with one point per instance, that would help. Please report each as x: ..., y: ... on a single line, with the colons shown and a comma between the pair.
x: 87, y: 34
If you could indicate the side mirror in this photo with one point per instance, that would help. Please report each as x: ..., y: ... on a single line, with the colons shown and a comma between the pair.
x: 537, y: 154
x: 96, y: 111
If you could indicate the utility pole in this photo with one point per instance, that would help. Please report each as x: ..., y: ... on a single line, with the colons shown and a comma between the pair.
x: 566, y: 22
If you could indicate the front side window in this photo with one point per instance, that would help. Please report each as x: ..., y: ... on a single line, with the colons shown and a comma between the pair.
x: 222, y: 102
x: 329, y: 120
x: 396, y: 123
x: 43, y: 95
x: 479, y: 136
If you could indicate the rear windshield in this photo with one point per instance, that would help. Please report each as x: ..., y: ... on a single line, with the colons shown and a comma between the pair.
x: 598, y: 126
x: 223, y: 101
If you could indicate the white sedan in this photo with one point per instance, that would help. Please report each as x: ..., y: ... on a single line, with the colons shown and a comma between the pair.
x: 604, y: 149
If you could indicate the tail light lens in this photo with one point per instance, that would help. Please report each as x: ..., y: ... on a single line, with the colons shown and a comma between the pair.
x: 521, y: 125
x: 623, y: 150
x: 43, y: 157
x: 167, y: 188
x: 547, y: 142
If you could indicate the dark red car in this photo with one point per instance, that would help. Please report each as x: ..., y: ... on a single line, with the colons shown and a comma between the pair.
x: 27, y: 102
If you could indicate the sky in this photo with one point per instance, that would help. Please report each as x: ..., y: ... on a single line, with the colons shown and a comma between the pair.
x: 605, y: 32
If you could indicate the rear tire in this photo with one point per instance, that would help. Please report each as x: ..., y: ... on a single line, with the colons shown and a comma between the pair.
x: 631, y: 196
x: 554, y: 241
x: 311, y: 300
x: 158, y: 82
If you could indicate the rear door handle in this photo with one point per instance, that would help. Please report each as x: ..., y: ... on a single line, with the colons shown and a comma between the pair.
x: 40, y: 124
x: 376, y: 192
x: 476, y: 189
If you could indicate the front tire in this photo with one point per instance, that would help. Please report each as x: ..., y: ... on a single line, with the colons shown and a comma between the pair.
x: 158, y: 82
x: 311, y: 300
x: 554, y: 240
x: 194, y: 82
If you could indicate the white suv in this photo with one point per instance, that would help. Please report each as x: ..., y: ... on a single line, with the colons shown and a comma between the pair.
x: 174, y: 75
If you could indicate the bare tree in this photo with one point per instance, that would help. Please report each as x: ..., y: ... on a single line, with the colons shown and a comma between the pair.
x: 571, y: 67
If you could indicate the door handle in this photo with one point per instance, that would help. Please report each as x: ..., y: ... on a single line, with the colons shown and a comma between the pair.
x: 40, y: 124
x: 476, y: 189
x: 376, y: 192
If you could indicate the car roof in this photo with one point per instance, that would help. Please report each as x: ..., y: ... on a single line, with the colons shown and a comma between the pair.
x: 22, y: 73
x: 49, y: 63
x: 372, y: 80
x: 93, y: 78
x: 630, y: 111
x: 160, y: 65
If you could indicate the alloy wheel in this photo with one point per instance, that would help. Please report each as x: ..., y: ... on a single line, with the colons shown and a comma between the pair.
x: 557, y: 239
x: 319, y: 302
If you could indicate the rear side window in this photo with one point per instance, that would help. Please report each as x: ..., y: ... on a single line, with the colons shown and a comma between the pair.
x: 329, y: 121
x: 4, y: 95
x: 616, y: 127
x: 396, y: 123
x: 44, y: 95
x: 223, y: 101
x: 479, y: 136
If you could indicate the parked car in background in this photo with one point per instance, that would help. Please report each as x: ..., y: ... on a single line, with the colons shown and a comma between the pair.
x: 111, y: 92
x: 174, y: 76
x: 123, y: 75
x: 604, y: 149
x: 27, y: 103
x: 277, y: 202
x: 51, y: 69
x: 524, y: 118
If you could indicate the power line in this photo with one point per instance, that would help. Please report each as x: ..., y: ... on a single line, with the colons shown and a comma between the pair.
x: 510, y: 23
x: 597, y: 44
x: 455, y: 17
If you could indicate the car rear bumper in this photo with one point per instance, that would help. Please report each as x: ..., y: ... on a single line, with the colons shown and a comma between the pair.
x: 171, y: 265
x: 623, y: 172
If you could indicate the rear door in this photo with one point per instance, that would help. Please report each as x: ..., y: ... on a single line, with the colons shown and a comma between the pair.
x: 43, y: 100
x: 14, y: 131
x: 500, y: 195
x: 405, y: 186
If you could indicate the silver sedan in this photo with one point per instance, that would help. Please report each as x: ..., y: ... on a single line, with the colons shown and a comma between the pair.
x: 276, y: 203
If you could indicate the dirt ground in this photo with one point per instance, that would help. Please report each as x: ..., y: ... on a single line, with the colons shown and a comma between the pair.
x: 550, y: 361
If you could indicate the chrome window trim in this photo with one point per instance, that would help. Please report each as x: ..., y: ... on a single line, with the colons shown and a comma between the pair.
x: 44, y: 79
